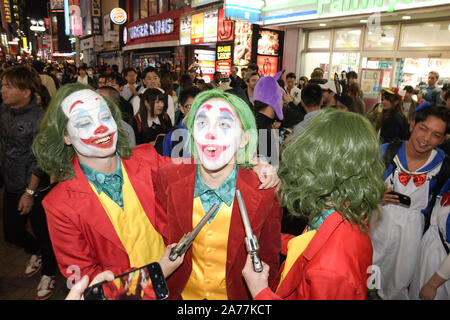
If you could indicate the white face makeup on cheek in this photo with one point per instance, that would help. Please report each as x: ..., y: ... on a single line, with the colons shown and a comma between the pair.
x: 91, y: 127
x: 217, y: 133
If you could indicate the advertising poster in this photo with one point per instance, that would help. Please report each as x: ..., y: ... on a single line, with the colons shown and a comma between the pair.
x: 370, y: 83
x: 225, y: 30
x: 210, y: 21
x: 267, y: 65
x: 242, y: 43
x: 223, y: 62
x: 185, y: 30
x: 206, y: 60
x: 197, y: 28
x: 268, y: 43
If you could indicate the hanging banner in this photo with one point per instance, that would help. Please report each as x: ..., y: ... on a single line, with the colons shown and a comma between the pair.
x: 242, y: 43
x: 225, y: 30
x: 185, y: 30
x: 210, y: 21
x: 96, y: 14
x: 197, y: 28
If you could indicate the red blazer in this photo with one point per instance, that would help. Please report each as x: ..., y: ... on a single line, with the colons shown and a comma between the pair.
x: 333, y: 266
x: 83, y: 237
x: 175, y: 190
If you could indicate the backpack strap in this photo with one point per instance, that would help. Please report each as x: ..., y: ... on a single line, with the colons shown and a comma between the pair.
x: 389, y: 154
x: 441, y: 178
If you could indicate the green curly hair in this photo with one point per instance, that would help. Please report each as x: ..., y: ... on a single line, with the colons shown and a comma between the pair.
x: 334, y: 163
x: 246, y: 155
x: 53, y: 155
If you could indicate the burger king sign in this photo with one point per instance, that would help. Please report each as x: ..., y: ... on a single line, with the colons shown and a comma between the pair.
x: 118, y: 16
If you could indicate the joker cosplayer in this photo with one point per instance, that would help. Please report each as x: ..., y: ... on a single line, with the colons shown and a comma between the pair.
x: 101, y: 215
x: 222, y: 134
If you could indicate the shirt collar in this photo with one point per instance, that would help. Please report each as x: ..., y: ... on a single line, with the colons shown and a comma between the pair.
x: 99, y: 179
x: 225, y: 191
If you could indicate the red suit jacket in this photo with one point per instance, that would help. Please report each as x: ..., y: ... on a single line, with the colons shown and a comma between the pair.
x: 83, y: 237
x: 333, y: 266
x: 175, y: 190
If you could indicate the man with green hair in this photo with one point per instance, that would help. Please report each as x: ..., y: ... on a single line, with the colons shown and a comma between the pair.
x: 223, y: 139
x: 336, y: 188
x: 101, y: 215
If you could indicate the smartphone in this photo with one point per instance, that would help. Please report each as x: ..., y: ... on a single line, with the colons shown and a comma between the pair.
x: 404, y: 199
x: 142, y: 283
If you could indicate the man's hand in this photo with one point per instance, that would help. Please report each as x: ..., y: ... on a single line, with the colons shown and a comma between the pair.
x: 390, y: 198
x: 167, y: 266
x: 133, y: 90
x: 25, y: 203
x: 267, y: 174
x: 76, y: 293
x: 256, y: 282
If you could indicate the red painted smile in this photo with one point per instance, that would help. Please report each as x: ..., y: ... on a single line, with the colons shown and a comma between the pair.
x: 102, y: 142
x: 212, y: 151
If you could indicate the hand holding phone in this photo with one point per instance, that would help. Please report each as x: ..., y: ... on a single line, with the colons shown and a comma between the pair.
x: 402, y: 198
x: 132, y: 285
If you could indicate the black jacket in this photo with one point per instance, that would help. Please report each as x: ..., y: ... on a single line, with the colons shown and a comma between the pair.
x: 18, y: 128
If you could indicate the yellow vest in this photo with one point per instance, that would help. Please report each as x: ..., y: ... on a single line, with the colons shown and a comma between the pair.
x: 209, y: 256
x: 141, y: 241
x: 295, y: 248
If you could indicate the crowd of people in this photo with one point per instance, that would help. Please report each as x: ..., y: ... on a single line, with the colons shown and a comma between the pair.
x: 346, y: 201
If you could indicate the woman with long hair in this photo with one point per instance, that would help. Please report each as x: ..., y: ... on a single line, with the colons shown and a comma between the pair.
x: 392, y: 123
x: 152, y: 122
x: 331, y: 174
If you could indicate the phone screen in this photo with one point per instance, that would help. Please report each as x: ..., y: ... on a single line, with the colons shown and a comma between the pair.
x: 145, y: 283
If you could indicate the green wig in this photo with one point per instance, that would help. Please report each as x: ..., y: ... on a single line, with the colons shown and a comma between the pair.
x: 334, y: 163
x: 53, y: 155
x: 246, y: 155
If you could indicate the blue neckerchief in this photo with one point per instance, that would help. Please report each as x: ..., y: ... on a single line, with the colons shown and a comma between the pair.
x: 401, y: 156
x: 317, y: 221
x: 110, y: 184
x: 224, y: 193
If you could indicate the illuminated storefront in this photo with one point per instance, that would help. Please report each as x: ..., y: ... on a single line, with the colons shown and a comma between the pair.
x: 388, y: 43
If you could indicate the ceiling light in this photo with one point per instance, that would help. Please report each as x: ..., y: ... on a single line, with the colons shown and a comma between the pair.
x: 406, y: 17
x: 323, y: 25
x: 363, y: 21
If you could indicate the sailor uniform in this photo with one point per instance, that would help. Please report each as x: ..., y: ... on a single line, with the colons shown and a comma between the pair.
x: 396, y: 235
x: 432, y: 251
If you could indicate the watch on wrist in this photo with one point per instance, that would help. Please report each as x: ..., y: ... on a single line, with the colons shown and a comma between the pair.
x: 30, y: 192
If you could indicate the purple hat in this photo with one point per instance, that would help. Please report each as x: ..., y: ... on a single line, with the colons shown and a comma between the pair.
x: 268, y: 91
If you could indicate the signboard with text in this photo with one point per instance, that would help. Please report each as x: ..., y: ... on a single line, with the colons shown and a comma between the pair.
x: 225, y: 30
x: 197, y: 28
x: 224, y: 58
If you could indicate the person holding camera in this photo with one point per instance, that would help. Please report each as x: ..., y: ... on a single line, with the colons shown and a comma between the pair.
x: 397, y: 232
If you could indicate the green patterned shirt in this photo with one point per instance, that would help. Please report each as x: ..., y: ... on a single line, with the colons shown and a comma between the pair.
x: 110, y: 184
x: 224, y: 193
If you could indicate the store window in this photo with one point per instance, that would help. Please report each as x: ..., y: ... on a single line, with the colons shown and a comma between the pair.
x: 344, y: 61
x: 163, y: 6
x: 425, y: 35
x: 319, y: 39
x: 143, y: 9
x: 414, y: 71
x: 347, y: 38
x: 136, y: 15
x: 381, y: 38
x: 152, y: 7
x: 314, y: 60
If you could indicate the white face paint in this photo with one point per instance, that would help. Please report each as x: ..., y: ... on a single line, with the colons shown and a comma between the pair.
x: 217, y: 133
x: 91, y: 128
